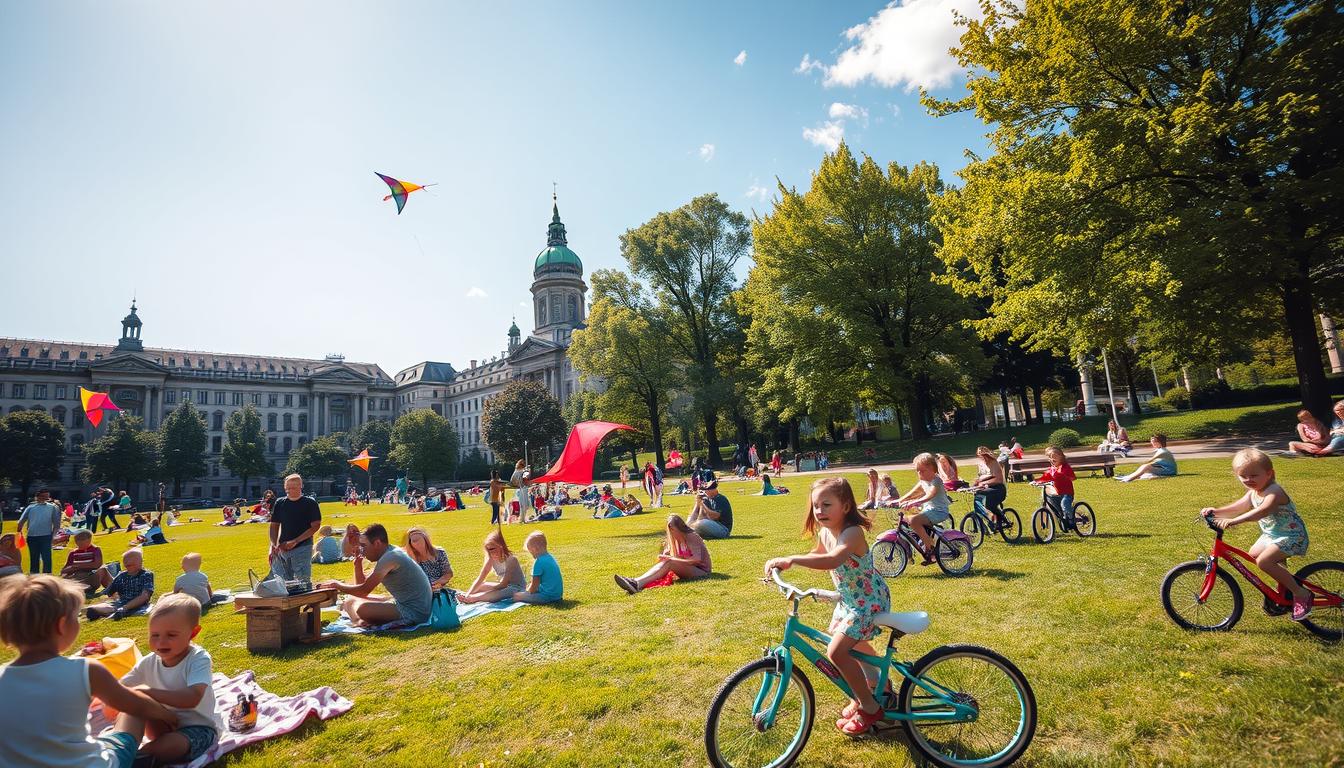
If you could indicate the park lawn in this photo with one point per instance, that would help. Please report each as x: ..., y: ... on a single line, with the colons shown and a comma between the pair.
x: 607, y: 679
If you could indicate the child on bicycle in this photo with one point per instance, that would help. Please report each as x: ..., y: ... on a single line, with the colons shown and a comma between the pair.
x: 1061, y: 477
x: 931, y: 497
x: 1282, y: 532
x: 990, y: 492
x: 842, y: 548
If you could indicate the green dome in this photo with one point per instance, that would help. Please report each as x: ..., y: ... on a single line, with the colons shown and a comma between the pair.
x: 557, y: 255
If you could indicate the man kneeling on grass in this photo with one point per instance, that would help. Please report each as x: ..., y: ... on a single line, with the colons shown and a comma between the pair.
x: 394, y: 569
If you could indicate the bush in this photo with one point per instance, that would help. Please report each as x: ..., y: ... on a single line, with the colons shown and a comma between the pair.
x: 1066, y: 438
x: 1177, y: 397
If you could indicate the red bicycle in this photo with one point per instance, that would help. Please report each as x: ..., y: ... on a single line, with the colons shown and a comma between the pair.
x: 1199, y: 596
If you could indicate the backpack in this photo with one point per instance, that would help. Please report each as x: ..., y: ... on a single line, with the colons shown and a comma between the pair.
x: 443, y: 610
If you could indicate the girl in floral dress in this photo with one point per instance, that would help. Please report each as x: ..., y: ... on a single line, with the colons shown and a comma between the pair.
x: 838, y: 526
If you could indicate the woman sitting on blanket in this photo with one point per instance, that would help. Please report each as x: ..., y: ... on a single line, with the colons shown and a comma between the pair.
x: 684, y: 556
x: 499, y: 559
x: 431, y: 559
x: 683, y: 488
x: 768, y: 488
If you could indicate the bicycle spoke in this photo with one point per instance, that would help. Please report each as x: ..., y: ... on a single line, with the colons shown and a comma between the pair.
x: 740, y: 742
x: 993, y: 692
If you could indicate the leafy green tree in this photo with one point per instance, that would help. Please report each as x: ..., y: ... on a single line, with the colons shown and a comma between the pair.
x: 245, y: 448
x: 474, y: 466
x: 581, y: 406
x: 182, y: 443
x: 1170, y: 169
x: 125, y: 454
x: 621, y: 347
x: 847, y: 294
x: 522, y: 411
x: 424, y: 443
x: 32, y: 448
x: 376, y: 436
x: 687, y: 258
x: 321, y: 459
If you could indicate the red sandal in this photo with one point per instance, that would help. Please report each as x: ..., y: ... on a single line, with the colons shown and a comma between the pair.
x: 861, y: 723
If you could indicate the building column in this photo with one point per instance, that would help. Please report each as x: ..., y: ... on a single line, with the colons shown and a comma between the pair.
x: 312, y: 416
x: 1085, y: 381
x: 362, y: 399
x: 1332, y: 343
x: 151, y: 408
x: 322, y: 415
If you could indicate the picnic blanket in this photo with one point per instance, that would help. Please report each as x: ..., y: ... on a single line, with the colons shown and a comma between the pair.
x: 342, y: 626
x: 276, y: 715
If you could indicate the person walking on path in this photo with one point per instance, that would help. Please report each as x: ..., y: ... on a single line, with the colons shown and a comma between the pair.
x: 42, y: 519
x: 294, y: 520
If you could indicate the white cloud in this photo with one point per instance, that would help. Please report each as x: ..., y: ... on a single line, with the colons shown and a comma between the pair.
x: 827, y: 135
x: 758, y: 192
x: 896, y: 110
x: 905, y: 44
x: 841, y: 111
x: 706, y: 152
x: 808, y: 64
x: 740, y: 58
x: 476, y: 293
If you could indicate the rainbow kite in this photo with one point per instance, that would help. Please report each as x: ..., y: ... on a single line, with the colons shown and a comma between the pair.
x: 400, y: 190
x: 362, y: 460
x: 94, y: 405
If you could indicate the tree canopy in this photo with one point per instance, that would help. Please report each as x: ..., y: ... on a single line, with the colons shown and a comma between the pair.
x: 523, y: 411
x: 424, y: 443
x: 245, y: 445
x: 182, y: 443
x: 321, y: 459
x: 32, y: 448
x: 125, y: 454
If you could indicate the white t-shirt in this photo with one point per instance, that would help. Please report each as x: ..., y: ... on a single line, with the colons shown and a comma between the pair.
x: 196, y: 584
x: 51, y: 700
x: 194, y: 669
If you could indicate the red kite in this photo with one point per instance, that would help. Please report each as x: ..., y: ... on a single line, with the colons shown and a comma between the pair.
x: 94, y: 405
x: 400, y: 190
x: 575, y: 464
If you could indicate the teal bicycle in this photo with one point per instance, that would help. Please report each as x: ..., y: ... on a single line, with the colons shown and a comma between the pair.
x: 960, y: 705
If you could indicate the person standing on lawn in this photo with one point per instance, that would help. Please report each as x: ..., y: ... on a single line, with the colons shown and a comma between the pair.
x: 42, y: 519
x: 294, y: 520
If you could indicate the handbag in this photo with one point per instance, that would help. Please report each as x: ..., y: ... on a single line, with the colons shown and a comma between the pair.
x: 443, y: 610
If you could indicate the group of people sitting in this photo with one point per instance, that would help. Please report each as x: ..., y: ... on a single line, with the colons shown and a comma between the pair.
x: 606, y: 504
x: 436, y: 500
x: 259, y: 512
x: 1314, y: 439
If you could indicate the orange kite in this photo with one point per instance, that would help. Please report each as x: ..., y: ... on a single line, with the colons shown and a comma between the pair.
x: 362, y: 460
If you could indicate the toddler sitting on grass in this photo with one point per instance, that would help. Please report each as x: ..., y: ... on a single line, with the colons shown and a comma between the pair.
x: 192, y: 582
x: 546, y: 586
x: 133, y: 587
x: 328, y: 549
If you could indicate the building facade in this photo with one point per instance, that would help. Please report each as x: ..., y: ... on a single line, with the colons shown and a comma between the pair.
x: 299, y: 399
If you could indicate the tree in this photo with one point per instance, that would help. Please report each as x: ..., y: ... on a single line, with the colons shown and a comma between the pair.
x: 1166, y: 168
x: 522, y: 411
x: 376, y: 436
x: 182, y: 443
x: 687, y: 257
x: 424, y: 442
x: 32, y: 448
x: 245, y: 449
x: 623, y: 348
x: 847, y: 293
x: 321, y: 459
x: 126, y: 454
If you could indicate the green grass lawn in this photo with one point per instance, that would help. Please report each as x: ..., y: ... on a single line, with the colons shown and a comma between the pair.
x: 607, y: 679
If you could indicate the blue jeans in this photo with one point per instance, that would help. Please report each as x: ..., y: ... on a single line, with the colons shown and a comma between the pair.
x: 991, y: 499
x: 1065, y: 503
x: 710, y: 529
x: 39, y: 550
x: 297, y: 563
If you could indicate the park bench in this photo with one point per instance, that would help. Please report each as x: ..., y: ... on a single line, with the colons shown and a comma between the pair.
x: 1020, y: 468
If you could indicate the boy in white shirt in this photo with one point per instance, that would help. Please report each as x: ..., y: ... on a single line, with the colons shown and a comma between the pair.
x: 178, y: 674
x: 192, y: 581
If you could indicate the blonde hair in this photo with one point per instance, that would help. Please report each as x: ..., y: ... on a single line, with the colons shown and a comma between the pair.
x: 1055, y: 451
x: 983, y: 450
x: 495, y: 537
x: 410, y: 550
x: 1252, y: 457
x: 535, y: 536
x: 842, y: 489
x: 926, y: 459
x: 31, y: 606
x: 180, y: 603
x: 192, y: 558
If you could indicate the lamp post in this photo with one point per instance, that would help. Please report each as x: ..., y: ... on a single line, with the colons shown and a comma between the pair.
x: 1109, y: 395
x: 525, y: 463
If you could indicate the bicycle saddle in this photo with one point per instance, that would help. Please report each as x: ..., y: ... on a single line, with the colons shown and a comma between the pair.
x: 906, y: 622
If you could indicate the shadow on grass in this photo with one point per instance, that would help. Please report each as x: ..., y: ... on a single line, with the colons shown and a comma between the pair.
x: 1121, y: 536
x: 997, y: 574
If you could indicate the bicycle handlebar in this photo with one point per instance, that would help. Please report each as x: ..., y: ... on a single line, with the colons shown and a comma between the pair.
x: 1208, y: 520
x: 790, y: 591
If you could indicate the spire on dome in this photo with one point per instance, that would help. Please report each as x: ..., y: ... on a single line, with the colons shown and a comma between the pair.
x: 555, y: 233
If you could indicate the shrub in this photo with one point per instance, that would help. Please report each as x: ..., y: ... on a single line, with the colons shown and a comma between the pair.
x: 1177, y: 397
x: 1066, y: 438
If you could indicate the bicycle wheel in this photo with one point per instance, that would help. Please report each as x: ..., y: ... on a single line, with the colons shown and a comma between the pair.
x: 734, y: 734
x: 889, y: 559
x: 1043, y: 526
x: 968, y: 674
x: 1011, y: 528
x: 1180, y: 597
x: 974, y: 529
x: 1084, y: 519
x: 954, y: 557
x: 1325, y: 621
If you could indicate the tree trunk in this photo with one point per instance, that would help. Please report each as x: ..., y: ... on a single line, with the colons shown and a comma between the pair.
x: 177, y: 487
x: 244, y: 478
x: 656, y: 429
x: 712, y: 438
x: 920, y: 406
x: 1036, y: 399
x: 1026, y: 406
x: 793, y: 435
x: 1127, y: 364
x: 1003, y: 395
x: 1297, y: 312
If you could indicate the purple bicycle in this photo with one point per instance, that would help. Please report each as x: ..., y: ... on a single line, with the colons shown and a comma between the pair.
x: 894, y: 548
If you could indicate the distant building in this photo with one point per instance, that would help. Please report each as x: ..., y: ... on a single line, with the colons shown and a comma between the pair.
x: 299, y: 398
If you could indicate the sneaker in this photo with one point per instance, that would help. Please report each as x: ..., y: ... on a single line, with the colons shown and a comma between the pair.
x: 1301, y: 607
x: 626, y: 583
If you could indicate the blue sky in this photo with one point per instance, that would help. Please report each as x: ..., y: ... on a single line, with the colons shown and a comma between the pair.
x: 217, y: 159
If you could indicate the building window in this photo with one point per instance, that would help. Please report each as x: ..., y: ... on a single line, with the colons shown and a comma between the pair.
x: 289, y: 444
x: 303, y: 401
x: 186, y: 395
x: 237, y: 398
x: 77, y: 418
x: 170, y: 397
x: 58, y: 413
x: 303, y: 423
x: 221, y: 398
x: 272, y: 400
x: 20, y: 391
x: 270, y: 444
x: 214, y: 491
x: 39, y: 391
x: 289, y: 401
x: 218, y: 420
x: 60, y: 391
x: 289, y: 422
x: 216, y: 444
x: 214, y: 469
x: 338, y: 421
x: 270, y: 422
x: 256, y: 398
x: 202, y: 397
x: 302, y: 440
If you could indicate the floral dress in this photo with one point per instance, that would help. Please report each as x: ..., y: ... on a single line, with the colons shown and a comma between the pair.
x: 863, y: 595
x: 1283, y: 527
x: 434, y: 569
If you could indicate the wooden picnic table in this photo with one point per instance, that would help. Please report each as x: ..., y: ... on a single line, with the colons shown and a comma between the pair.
x: 275, y: 622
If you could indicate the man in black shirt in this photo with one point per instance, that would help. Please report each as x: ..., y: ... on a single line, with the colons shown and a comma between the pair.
x: 294, y: 520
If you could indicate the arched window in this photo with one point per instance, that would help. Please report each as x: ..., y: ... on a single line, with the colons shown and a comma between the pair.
x: 302, y: 440
x: 289, y: 422
x: 77, y: 417
x: 58, y: 413
x: 289, y: 444
x: 39, y: 409
x: 303, y: 423
x: 270, y: 422
x: 218, y: 420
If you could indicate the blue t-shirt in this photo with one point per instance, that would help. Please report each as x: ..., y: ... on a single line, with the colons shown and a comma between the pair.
x: 329, y: 549
x: 552, y: 586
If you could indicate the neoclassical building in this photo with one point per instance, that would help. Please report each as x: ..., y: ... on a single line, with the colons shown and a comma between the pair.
x: 299, y: 398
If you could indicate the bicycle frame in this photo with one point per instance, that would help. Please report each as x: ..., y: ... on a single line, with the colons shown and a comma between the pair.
x: 905, y: 536
x: 1230, y: 554
x: 803, y: 639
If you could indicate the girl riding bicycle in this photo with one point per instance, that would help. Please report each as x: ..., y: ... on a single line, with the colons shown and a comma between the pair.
x: 1061, y: 474
x: 837, y: 524
x: 990, y: 492
x: 931, y: 498
x: 1282, y: 532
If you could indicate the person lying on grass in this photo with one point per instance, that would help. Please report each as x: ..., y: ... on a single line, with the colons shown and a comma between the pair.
x: 411, y: 596
x: 509, y: 573
x: 133, y: 587
x: 684, y: 553
x: 1282, y: 532
x: 547, y: 585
